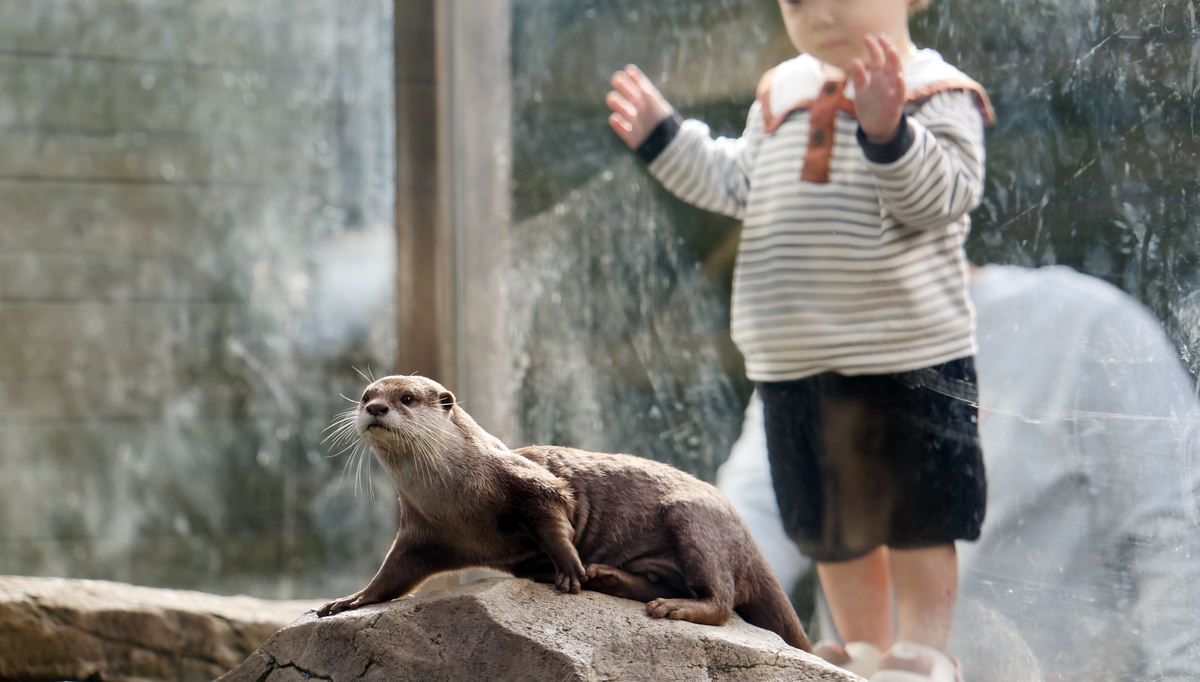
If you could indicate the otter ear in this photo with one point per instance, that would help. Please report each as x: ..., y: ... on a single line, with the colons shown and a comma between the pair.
x: 446, y: 398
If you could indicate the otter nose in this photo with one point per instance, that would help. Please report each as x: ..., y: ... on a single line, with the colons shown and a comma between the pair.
x: 377, y: 409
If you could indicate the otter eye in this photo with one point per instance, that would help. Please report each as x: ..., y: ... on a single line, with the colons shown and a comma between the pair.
x: 406, y: 399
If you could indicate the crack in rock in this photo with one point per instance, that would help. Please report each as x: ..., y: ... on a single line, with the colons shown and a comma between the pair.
x: 304, y: 672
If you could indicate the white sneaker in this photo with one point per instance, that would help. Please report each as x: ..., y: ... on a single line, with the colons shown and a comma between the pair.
x: 860, y: 658
x: 864, y: 658
x: 912, y: 662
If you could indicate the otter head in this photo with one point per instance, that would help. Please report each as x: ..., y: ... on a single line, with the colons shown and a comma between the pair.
x: 407, y: 415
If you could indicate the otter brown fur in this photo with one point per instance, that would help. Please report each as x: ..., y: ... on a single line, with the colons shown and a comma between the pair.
x: 616, y: 524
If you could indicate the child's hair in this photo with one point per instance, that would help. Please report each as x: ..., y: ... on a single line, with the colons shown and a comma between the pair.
x: 915, y: 6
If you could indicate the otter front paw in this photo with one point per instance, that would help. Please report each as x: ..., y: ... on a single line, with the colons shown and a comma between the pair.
x: 570, y: 580
x: 350, y: 603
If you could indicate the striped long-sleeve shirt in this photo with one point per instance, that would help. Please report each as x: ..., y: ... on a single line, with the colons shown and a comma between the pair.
x: 851, y: 256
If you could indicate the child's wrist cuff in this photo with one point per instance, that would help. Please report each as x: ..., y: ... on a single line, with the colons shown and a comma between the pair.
x: 888, y: 152
x: 659, y: 138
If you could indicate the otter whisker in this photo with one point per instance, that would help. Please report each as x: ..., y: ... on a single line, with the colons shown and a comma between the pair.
x: 340, y: 424
x: 358, y: 473
x: 343, y: 416
x: 407, y: 444
x: 343, y: 431
x: 418, y: 446
x: 348, y: 446
x: 343, y: 435
x: 403, y: 444
x: 345, y: 466
x: 367, y: 460
x: 370, y: 483
x: 349, y: 417
x: 439, y: 428
x: 353, y: 462
x: 417, y: 458
x: 426, y: 457
x: 337, y: 427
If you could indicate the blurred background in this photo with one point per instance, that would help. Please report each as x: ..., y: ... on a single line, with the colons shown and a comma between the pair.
x: 214, y: 214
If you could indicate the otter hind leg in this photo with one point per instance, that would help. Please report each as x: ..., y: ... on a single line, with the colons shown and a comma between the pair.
x: 703, y: 611
x: 696, y: 535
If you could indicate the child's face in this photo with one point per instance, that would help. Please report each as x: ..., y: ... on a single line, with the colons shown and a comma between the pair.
x: 833, y: 30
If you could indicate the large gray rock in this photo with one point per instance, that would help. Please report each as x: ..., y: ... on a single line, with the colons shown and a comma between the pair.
x: 507, y: 629
x: 58, y: 629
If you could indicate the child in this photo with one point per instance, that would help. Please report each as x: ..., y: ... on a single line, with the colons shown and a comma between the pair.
x: 850, y: 307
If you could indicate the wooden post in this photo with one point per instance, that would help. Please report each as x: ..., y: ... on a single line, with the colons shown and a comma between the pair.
x: 475, y: 94
x: 424, y: 242
x: 453, y: 206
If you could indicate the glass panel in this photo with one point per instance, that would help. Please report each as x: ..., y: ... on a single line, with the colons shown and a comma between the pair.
x: 1092, y: 161
x: 621, y: 291
x: 1090, y: 557
x: 195, y: 250
x: 1088, y: 413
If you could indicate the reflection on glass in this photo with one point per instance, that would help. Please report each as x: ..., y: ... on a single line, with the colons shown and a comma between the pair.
x: 1089, y: 549
x: 195, y: 248
x: 621, y: 291
x: 1087, y: 567
x: 1093, y: 161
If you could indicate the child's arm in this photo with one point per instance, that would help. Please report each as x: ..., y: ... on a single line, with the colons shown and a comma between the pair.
x: 711, y: 174
x: 928, y: 167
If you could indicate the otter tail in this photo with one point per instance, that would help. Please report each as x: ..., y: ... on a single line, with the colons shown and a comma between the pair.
x: 769, y: 608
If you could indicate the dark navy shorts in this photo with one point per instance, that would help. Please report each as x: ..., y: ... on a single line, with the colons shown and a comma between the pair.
x: 863, y: 461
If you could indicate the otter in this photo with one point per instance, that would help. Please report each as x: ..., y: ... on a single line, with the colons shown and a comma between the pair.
x: 617, y: 524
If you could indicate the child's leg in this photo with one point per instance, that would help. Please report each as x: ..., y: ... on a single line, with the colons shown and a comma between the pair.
x: 859, y: 596
x: 926, y: 583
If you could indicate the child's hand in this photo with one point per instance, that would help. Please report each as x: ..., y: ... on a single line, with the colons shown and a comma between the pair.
x: 879, y: 91
x: 638, y: 107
